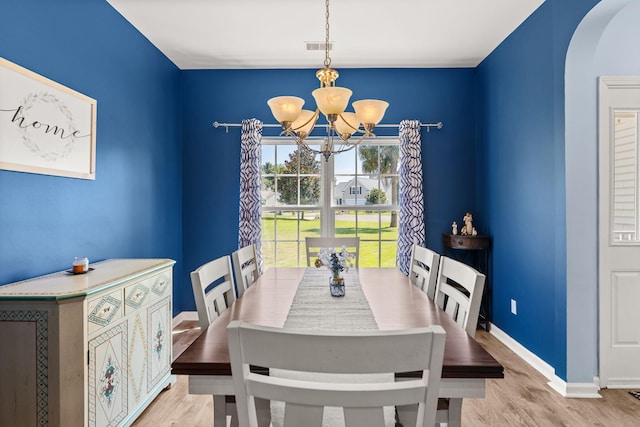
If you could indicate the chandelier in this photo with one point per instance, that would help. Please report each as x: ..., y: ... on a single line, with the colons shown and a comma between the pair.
x: 332, y: 101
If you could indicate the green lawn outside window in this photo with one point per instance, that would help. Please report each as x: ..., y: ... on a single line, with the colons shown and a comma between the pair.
x: 291, y: 232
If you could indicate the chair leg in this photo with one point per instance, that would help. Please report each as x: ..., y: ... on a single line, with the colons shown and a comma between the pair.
x: 263, y: 410
x: 455, y: 413
x: 231, y: 412
x: 407, y: 414
x: 219, y: 411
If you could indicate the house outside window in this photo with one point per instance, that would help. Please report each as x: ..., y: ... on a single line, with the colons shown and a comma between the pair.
x: 352, y: 194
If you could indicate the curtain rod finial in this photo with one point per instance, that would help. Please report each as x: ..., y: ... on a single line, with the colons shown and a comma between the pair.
x: 225, y: 125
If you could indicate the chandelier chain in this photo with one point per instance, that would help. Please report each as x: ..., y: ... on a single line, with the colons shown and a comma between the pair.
x: 327, y: 59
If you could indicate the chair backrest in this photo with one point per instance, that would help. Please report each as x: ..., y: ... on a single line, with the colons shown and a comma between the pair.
x: 212, y: 303
x: 314, y: 244
x: 423, y: 270
x: 245, y: 267
x: 459, y: 292
x: 335, y: 352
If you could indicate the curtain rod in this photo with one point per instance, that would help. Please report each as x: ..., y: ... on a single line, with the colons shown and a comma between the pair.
x: 438, y: 125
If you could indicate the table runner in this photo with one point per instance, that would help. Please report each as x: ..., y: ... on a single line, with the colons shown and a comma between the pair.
x: 313, y: 307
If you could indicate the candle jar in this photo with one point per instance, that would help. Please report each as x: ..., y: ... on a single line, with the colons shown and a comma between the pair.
x: 80, y: 264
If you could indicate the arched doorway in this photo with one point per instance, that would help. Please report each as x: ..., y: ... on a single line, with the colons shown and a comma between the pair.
x: 581, y: 72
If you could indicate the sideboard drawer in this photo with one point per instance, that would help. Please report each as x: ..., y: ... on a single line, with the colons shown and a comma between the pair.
x: 160, y: 285
x: 104, y: 310
x: 136, y: 295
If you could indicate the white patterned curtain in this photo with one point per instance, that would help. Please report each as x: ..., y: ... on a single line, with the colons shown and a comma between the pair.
x: 411, y: 226
x: 250, y: 209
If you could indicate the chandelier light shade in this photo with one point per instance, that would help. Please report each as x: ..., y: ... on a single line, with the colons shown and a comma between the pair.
x: 285, y: 108
x: 304, y: 123
x: 331, y: 101
x: 370, y: 111
x: 346, y: 124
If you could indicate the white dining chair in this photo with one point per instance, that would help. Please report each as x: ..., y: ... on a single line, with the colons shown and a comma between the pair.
x: 245, y: 267
x: 423, y: 270
x: 459, y: 293
x: 314, y: 244
x: 210, y: 303
x: 335, y: 352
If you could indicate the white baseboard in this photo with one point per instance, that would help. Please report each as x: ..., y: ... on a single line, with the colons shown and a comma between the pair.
x: 538, y: 364
x: 575, y: 390
x: 182, y: 316
x: 570, y: 390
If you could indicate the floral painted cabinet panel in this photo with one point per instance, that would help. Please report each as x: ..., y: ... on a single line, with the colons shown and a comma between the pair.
x: 159, y: 342
x: 138, y: 361
x: 108, y: 374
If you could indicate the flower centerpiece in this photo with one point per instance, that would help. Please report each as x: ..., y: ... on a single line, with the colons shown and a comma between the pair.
x: 336, y: 262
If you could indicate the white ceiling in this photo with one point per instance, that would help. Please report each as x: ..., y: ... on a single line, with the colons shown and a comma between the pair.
x: 213, y: 34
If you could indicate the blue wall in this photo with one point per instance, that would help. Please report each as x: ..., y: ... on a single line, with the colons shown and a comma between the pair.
x: 133, y: 208
x: 211, y: 157
x: 521, y: 140
x: 166, y: 179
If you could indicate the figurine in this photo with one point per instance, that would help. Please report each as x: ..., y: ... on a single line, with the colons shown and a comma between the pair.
x: 468, y: 227
x: 454, y: 228
x: 463, y: 232
x: 474, y: 232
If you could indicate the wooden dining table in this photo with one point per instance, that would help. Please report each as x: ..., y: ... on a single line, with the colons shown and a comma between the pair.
x: 395, y: 304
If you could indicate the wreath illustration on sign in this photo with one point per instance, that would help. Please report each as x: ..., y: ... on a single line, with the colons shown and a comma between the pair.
x: 48, y: 153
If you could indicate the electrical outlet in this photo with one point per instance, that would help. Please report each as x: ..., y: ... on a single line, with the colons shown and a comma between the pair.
x: 514, y: 307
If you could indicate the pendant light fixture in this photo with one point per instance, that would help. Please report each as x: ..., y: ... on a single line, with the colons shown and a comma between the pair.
x: 331, y: 101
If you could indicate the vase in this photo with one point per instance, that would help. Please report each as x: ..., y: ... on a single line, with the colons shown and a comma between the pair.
x: 336, y: 286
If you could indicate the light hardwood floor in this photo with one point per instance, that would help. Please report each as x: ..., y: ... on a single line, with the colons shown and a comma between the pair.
x: 522, y: 398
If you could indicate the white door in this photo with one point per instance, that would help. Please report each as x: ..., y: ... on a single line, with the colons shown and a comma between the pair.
x: 619, y: 231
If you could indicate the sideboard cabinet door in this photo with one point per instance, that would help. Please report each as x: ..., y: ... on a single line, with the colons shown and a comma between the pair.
x: 159, y: 334
x: 108, y: 377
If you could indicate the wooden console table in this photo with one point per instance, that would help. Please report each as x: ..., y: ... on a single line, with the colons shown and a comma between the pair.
x: 474, y: 251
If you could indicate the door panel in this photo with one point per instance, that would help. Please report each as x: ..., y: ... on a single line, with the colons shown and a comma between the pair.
x: 625, y: 293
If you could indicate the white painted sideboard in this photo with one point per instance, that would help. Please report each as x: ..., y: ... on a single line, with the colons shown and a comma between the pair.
x: 91, y: 349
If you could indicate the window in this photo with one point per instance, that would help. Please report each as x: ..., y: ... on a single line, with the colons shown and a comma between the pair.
x: 352, y: 194
x: 624, y: 183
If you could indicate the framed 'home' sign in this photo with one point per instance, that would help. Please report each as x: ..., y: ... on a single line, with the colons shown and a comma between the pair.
x: 45, y: 127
